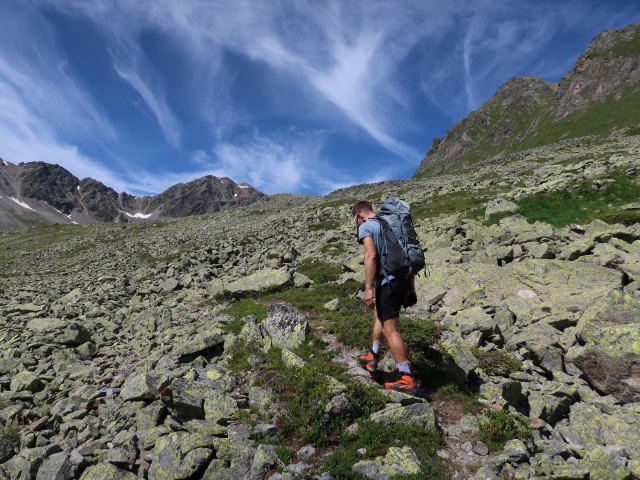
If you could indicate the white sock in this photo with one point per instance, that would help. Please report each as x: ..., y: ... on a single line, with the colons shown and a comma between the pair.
x: 404, y: 367
x: 376, y: 348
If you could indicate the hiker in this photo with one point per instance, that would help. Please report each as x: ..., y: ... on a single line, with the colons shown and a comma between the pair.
x: 385, y: 294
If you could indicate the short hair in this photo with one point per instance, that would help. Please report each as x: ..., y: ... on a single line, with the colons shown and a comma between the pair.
x: 362, y: 205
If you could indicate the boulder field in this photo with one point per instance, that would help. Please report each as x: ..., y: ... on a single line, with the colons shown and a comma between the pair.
x: 121, y: 355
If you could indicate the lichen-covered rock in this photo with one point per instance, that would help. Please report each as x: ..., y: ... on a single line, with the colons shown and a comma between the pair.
x: 26, y: 463
x: 499, y: 205
x: 286, y: 330
x: 459, y: 362
x: 180, y: 455
x: 603, y: 467
x: 609, y: 351
x: 588, y: 424
x: 201, y: 343
x: 397, y: 414
x: 106, y: 471
x: 397, y: 461
x: 220, y: 408
x: 290, y: 359
x: 56, y: 467
x: 262, y: 281
x: 26, y: 381
x: 139, y: 387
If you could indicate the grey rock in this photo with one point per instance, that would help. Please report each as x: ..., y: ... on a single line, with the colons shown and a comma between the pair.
x: 139, y: 387
x: 56, y: 467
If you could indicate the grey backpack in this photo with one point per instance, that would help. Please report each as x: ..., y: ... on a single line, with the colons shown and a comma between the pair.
x: 402, y: 255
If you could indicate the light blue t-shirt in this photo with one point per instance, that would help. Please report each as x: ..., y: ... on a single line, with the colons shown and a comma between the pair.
x: 371, y: 228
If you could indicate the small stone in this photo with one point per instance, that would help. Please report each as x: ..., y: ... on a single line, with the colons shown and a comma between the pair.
x: 306, y: 452
x: 481, y: 449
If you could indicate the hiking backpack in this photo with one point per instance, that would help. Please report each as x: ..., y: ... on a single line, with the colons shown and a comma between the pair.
x: 402, y: 254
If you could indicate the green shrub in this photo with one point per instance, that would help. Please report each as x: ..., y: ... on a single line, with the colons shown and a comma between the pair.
x: 285, y: 454
x: 501, y: 427
x: 351, y: 324
x: 463, y: 394
x: 319, y: 271
x: 625, y: 217
x: 313, y: 299
x: 10, y: 433
x: 376, y: 439
x: 496, y: 362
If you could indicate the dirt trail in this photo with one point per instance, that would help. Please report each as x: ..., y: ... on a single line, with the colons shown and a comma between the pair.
x: 457, y: 452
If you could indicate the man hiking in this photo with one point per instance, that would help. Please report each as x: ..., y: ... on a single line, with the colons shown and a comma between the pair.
x: 385, y: 295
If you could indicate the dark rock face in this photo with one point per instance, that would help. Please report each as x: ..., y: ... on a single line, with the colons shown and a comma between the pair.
x: 50, y: 183
x: 206, y: 194
x: 99, y: 199
x: 525, y: 109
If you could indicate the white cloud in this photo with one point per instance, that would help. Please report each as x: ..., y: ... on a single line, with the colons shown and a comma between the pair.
x: 155, y: 100
x: 287, y: 162
x: 347, y: 53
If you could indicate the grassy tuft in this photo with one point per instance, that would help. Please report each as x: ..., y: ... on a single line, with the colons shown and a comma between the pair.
x: 312, y: 300
x: 319, y: 271
x: 496, y: 362
x: 583, y: 204
x: 501, y: 427
x: 376, y: 438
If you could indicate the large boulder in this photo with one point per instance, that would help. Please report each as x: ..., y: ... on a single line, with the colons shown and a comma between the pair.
x: 589, y: 424
x: 180, y: 456
x: 609, y: 346
x: 262, y: 281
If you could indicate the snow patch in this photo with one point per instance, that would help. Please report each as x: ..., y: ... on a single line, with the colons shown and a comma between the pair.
x: 137, y: 215
x: 235, y: 194
x: 49, y: 205
x: 22, y: 204
x: 5, y: 162
x: 78, y: 187
x: 244, y: 186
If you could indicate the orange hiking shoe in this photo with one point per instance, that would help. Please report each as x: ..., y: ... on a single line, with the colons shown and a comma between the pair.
x: 369, y: 361
x: 405, y: 382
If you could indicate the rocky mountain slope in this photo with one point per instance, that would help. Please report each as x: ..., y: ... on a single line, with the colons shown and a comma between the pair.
x: 220, y: 346
x: 38, y: 193
x: 600, y: 95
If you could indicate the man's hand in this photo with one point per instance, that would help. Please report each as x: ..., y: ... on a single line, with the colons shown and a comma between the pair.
x: 368, y: 298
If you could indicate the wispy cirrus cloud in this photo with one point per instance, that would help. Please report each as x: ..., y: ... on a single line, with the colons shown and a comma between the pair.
x: 346, y: 53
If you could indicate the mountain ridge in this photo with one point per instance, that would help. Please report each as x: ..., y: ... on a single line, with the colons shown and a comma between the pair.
x: 35, y: 193
x: 598, y: 96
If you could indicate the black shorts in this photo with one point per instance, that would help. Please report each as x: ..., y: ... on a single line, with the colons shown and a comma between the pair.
x: 389, y: 298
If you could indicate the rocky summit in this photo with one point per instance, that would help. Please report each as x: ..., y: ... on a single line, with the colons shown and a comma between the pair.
x: 38, y: 193
x: 223, y: 345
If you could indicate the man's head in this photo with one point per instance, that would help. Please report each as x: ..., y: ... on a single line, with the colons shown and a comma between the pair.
x: 361, y: 211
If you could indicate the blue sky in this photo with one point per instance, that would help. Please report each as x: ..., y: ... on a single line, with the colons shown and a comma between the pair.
x: 290, y: 96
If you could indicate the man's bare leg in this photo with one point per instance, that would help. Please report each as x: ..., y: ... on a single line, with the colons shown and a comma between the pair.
x: 389, y: 330
x: 394, y: 340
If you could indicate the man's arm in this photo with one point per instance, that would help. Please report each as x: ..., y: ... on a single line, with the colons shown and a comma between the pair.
x: 370, y: 270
